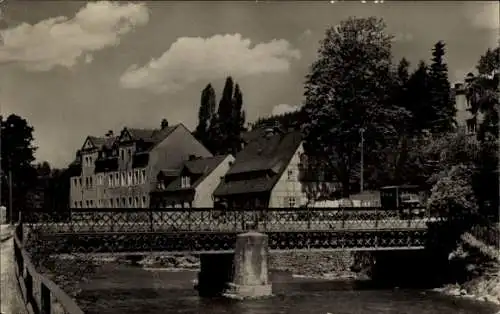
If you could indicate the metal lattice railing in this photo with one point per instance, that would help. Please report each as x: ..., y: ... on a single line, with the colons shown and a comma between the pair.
x: 207, y: 219
x: 203, y: 230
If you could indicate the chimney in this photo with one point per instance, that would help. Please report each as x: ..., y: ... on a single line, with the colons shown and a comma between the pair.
x: 164, y: 123
x: 109, y: 133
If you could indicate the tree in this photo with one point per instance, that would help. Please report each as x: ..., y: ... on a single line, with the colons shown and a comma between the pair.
x: 418, y: 100
x: 205, y: 114
x: 237, y: 122
x: 17, y: 155
x: 483, y: 94
x: 224, y: 131
x: 440, y: 94
x: 453, y: 195
x: 348, y: 88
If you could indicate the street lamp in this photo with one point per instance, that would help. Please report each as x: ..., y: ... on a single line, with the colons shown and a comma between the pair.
x: 362, y: 144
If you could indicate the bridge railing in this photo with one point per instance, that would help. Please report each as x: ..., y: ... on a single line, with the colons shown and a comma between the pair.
x: 40, y: 294
x: 122, y: 220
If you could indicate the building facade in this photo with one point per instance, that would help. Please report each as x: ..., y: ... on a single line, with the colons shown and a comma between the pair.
x: 270, y: 172
x: 191, y: 186
x: 120, y: 171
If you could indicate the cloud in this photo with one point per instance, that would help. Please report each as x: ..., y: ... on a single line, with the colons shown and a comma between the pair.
x: 403, y: 37
x: 284, y: 108
x: 190, y: 59
x: 485, y: 15
x: 305, y: 34
x: 63, y: 41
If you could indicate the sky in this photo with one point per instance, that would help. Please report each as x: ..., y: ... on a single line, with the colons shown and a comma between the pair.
x: 74, y: 69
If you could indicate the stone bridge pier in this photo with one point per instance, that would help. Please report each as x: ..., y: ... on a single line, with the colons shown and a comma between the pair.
x: 241, y: 275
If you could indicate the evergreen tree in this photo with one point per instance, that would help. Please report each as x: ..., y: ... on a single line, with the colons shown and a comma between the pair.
x: 237, y: 122
x: 440, y: 92
x: 418, y: 100
x: 205, y: 115
x: 348, y: 88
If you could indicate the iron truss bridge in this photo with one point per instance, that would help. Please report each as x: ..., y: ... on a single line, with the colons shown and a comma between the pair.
x: 205, y: 230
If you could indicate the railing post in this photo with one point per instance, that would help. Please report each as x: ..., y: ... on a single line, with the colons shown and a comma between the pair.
x: 376, y: 217
x: 45, y: 300
x: 28, y: 283
x: 343, y: 218
x: 308, y: 212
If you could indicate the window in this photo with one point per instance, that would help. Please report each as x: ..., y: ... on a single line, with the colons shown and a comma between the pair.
x: 87, y: 204
x: 90, y: 180
x: 136, y: 202
x: 161, y: 185
x: 90, y: 160
x: 91, y: 203
x: 75, y: 204
x: 185, y: 182
x: 124, y: 202
x: 122, y: 154
x: 87, y: 182
x: 81, y: 204
x: 129, y: 151
x: 136, y: 177
x: 111, y: 202
x: 290, y: 174
x: 130, y: 201
x: 117, y: 202
x: 123, y: 179
x: 110, y: 180
x: 144, y: 203
x: 117, y: 179
x: 143, y: 176
x: 80, y: 180
x: 290, y: 201
x: 130, y: 177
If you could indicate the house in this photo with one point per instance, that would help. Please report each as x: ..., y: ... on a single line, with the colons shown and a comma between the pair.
x: 120, y: 171
x: 192, y: 185
x: 268, y: 172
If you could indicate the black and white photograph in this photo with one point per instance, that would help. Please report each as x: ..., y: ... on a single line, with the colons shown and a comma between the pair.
x: 249, y: 157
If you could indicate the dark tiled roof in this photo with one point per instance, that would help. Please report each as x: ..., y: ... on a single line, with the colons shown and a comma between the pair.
x: 260, y: 164
x: 198, y: 170
x: 151, y: 135
x: 252, y: 135
x: 103, y: 142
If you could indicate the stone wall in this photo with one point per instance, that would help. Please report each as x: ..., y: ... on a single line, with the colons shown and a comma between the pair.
x: 336, y: 264
x: 312, y: 263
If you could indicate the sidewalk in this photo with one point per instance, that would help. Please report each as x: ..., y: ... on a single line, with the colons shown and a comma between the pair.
x: 6, y: 231
x: 10, y: 295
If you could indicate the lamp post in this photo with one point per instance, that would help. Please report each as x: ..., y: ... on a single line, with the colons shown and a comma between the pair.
x: 362, y: 144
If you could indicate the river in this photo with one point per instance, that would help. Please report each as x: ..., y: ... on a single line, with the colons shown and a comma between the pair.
x: 117, y: 289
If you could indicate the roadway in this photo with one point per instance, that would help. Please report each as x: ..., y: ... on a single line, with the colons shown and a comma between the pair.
x: 11, y: 301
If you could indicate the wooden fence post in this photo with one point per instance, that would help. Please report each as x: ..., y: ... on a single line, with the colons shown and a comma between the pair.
x: 45, y: 299
x: 28, y: 283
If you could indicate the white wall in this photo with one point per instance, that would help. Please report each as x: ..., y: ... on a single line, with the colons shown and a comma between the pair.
x: 205, y: 190
x: 289, y: 186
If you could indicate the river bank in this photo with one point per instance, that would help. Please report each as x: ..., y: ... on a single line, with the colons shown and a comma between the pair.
x: 485, y: 286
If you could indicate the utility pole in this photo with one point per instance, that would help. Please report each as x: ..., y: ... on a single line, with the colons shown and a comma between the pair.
x: 11, y: 212
x: 361, y: 183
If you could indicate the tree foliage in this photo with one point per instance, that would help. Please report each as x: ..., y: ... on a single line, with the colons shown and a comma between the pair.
x: 223, y: 134
x: 17, y: 152
x: 205, y: 114
x: 441, y: 101
x: 348, y: 88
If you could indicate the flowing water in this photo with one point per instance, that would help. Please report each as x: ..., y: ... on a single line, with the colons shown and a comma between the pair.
x: 125, y: 289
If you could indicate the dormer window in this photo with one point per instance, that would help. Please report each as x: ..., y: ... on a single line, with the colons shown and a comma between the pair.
x: 185, y: 182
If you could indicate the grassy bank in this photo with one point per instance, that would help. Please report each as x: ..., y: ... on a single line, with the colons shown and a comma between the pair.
x: 482, y: 263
